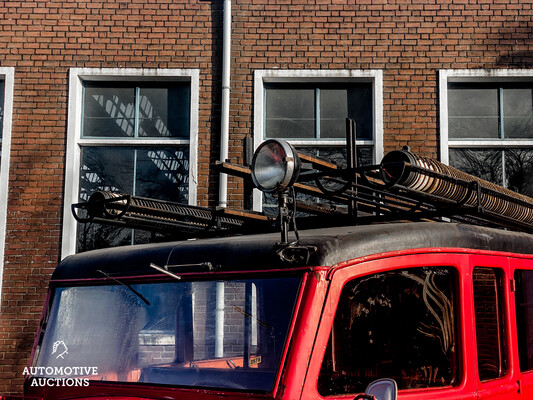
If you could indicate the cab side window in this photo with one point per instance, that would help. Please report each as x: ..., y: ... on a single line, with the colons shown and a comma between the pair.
x: 524, y: 317
x: 397, y: 324
x: 490, y: 322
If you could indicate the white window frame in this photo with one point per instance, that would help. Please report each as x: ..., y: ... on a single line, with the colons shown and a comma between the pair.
x: 476, y: 75
x: 319, y: 76
x: 75, y: 141
x: 7, y: 74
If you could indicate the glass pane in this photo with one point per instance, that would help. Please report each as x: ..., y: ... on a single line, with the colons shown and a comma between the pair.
x: 518, y: 113
x: 519, y: 170
x: 104, y: 168
x: 490, y: 322
x: 398, y: 324
x: 163, y: 173
x: 333, y: 113
x: 483, y: 163
x: 290, y: 113
x: 164, y: 112
x: 337, y: 104
x: 92, y: 236
x: 524, y: 317
x: 108, y: 111
x: 2, y: 89
x: 473, y: 113
x: 212, y: 334
x: 333, y: 154
x: 156, y: 172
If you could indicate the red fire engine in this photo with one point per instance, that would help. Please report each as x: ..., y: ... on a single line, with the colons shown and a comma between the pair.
x: 421, y: 287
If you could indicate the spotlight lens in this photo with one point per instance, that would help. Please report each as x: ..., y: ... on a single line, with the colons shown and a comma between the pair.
x: 275, y: 166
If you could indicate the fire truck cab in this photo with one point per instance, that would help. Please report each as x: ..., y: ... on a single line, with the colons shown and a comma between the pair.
x: 379, y: 308
x: 443, y: 309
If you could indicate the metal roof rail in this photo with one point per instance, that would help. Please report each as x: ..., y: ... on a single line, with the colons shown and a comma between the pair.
x: 404, y: 186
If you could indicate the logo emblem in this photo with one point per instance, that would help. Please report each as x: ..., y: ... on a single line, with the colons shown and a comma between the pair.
x: 60, y: 348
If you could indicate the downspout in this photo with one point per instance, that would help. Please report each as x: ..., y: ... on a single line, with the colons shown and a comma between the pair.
x: 224, y: 131
x: 224, y: 146
x: 219, y: 321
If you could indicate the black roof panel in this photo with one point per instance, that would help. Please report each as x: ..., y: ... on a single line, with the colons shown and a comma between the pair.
x: 258, y: 252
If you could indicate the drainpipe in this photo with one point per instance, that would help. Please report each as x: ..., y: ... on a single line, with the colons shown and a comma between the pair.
x: 223, y: 178
x: 224, y: 135
x: 219, y: 320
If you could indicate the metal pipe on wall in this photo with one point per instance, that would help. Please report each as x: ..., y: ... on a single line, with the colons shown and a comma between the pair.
x: 219, y: 320
x: 224, y: 125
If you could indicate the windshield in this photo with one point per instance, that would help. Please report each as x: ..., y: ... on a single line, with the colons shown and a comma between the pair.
x: 219, y: 334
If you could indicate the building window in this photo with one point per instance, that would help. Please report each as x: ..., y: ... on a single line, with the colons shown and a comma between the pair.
x: 6, y: 110
x: 134, y: 136
x: 487, y: 127
x: 313, y: 113
x: 309, y: 109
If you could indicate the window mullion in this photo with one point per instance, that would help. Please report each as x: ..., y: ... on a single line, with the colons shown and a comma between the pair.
x: 317, y: 113
x: 82, y: 110
x: 500, y: 112
x: 137, y: 108
x: 134, y: 186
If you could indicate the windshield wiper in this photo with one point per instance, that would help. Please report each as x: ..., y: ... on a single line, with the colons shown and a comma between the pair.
x: 165, y: 271
x: 140, y: 296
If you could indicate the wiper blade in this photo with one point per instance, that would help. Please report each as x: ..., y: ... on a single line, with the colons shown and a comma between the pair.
x: 140, y: 296
x: 165, y: 271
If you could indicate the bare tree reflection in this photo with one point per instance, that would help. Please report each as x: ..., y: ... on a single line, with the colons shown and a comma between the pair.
x: 161, y: 173
x: 519, y: 170
x: 485, y: 164
x: 512, y: 168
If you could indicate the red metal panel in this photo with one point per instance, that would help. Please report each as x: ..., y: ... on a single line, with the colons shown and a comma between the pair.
x: 465, y: 389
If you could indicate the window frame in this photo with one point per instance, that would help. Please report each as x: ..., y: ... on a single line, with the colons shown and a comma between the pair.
x: 481, y: 76
x: 375, y: 77
x: 75, y: 142
x: 7, y: 74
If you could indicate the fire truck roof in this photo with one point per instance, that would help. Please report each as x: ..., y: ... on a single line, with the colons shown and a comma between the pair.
x: 319, y: 247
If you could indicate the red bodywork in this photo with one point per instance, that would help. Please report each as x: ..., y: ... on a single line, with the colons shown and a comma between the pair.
x: 311, y: 327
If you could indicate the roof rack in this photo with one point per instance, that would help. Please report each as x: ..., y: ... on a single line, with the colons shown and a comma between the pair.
x: 167, y: 218
x: 403, y: 186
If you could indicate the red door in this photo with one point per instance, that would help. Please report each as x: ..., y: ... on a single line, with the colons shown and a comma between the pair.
x: 497, y: 375
x: 522, y: 322
x: 405, y: 317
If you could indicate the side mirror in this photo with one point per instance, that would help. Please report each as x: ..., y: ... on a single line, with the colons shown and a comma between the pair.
x: 382, y: 389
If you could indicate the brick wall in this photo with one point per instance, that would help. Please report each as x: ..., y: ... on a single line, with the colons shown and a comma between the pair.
x: 409, y: 40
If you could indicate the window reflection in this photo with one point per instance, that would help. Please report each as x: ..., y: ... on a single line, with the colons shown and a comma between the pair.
x: 2, y: 88
x: 306, y: 111
x: 211, y: 334
x: 473, y: 113
x: 116, y: 111
x: 156, y: 172
x: 123, y: 110
x: 397, y: 324
x: 492, y: 114
x: 518, y: 113
x: 511, y: 168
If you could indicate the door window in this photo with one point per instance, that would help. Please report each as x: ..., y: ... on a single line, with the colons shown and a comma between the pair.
x: 397, y: 324
x: 524, y: 317
x: 490, y: 322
